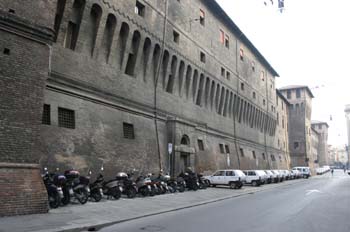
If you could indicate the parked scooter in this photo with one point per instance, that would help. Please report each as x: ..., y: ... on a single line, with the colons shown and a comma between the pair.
x: 203, y: 183
x: 96, y: 191
x: 76, y: 186
x: 128, y: 185
x: 143, y: 185
x: 190, y: 179
x: 54, y: 192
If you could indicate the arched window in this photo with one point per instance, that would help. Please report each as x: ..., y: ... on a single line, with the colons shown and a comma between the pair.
x: 93, y: 25
x: 194, y: 84
x: 61, y: 4
x: 155, y: 59
x: 108, y: 36
x: 131, y: 63
x: 165, y: 63
x: 146, y: 53
x: 200, y: 90
x: 188, y: 80
x: 181, y: 76
x: 207, y: 92
x: 121, y: 46
x: 73, y: 26
x: 172, y: 75
x: 185, y: 140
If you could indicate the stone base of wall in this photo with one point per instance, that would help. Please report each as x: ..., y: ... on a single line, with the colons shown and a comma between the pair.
x: 22, y: 190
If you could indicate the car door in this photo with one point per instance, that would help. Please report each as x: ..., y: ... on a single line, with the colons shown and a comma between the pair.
x: 218, y: 177
x: 230, y: 176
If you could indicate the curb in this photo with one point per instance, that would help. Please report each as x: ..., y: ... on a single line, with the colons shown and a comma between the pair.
x: 97, y: 227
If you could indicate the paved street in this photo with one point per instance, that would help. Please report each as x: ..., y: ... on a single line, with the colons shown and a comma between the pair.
x: 319, y: 204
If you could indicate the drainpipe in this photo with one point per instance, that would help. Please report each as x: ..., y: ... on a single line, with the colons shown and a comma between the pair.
x: 156, y: 83
x: 234, y: 118
x: 267, y: 112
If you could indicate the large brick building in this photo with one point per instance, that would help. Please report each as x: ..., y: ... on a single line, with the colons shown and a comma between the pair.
x: 124, y: 79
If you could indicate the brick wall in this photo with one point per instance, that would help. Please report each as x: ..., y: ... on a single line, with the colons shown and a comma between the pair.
x: 22, y: 190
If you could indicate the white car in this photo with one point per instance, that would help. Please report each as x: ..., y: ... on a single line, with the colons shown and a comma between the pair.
x: 272, y: 176
x: 253, y: 177
x: 296, y: 174
x: 233, y: 178
x: 264, y: 176
x: 305, y: 171
x: 279, y: 174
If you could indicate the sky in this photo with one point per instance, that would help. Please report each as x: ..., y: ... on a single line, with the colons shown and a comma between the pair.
x: 307, y: 44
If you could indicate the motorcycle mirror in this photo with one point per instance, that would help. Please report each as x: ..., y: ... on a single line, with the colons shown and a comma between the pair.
x: 90, y: 172
x: 102, y: 168
x: 45, y: 169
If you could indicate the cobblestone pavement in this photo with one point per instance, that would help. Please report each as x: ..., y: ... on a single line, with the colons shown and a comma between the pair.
x: 76, y: 217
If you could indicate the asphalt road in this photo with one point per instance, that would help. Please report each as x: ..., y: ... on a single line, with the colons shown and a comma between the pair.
x: 321, y: 204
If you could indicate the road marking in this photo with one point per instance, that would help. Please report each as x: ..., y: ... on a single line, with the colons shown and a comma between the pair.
x: 308, y: 192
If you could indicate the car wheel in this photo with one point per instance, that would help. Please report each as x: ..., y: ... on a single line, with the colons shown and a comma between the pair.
x: 254, y: 183
x: 232, y: 185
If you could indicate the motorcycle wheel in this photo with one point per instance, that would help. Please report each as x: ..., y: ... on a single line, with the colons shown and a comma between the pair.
x: 96, y: 196
x: 181, y: 188
x: 54, y: 200
x: 131, y: 192
x: 82, y: 195
x: 152, y: 192
x: 115, y: 193
x: 144, y: 192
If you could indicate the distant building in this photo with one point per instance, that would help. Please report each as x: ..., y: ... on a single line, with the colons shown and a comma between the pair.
x: 300, y: 99
x: 314, y: 148
x: 322, y: 130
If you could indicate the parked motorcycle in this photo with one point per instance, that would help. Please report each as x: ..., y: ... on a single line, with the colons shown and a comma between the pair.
x: 96, y: 190
x: 54, y: 191
x: 203, y: 183
x: 143, y: 185
x: 76, y: 186
x: 191, y: 180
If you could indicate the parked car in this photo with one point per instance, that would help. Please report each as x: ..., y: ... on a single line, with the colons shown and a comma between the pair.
x: 253, y: 177
x: 264, y: 176
x: 279, y: 174
x: 233, y: 178
x: 296, y: 174
x: 287, y: 175
x: 305, y: 171
x: 271, y: 177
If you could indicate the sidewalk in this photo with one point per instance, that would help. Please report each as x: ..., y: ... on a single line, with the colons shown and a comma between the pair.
x: 76, y: 217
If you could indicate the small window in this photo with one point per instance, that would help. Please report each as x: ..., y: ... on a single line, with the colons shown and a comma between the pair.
x: 202, y: 17
x: 66, y: 118
x: 176, y: 37
x: 288, y: 94
x: 128, y: 130
x: 228, y: 75
x: 280, y: 159
x: 264, y: 102
x: 296, y: 145
x: 222, y: 151
x: 219, y: 173
x: 227, y: 41
x: 262, y: 76
x: 140, y: 9
x: 46, y: 118
x: 241, y: 54
x: 222, y: 72
x: 273, y: 158
x: 242, y: 152
x: 253, y: 66
x: 230, y: 173
x: 242, y: 86
x: 202, y: 57
x: 200, y: 145
x: 222, y: 37
x: 253, y: 154
x: 278, y: 142
x: 298, y: 93
x: 319, y: 126
x: 254, y: 95
x: 6, y: 51
x: 263, y: 156
x: 227, y: 148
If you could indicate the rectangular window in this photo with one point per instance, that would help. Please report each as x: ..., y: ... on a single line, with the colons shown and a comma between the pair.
x: 222, y: 72
x: 222, y: 151
x: 319, y: 126
x: 202, y: 57
x: 242, y: 86
x: 222, y: 37
x: 140, y: 9
x: 253, y: 154
x: 273, y: 158
x: 253, y: 66
x: 241, y: 54
x: 71, y: 35
x: 128, y: 130
x: 176, y: 37
x: 227, y: 148
x: 202, y: 17
x: 298, y: 93
x: 227, y: 41
x: 263, y: 155
x: 288, y: 94
x: 46, y: 118
x: 296, y: 145
x: 228, y: 75
x: 200, y: 145
x: 242, y: 152
x: 254, y: 95
x: 66, y: 118
x: 262, y: 76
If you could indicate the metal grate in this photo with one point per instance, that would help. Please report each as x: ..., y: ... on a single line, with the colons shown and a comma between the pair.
x: 46, y: 119
x: 66, y: 118
x: 128, y: 130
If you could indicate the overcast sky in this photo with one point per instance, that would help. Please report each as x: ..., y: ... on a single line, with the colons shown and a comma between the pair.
x: 307, y: 44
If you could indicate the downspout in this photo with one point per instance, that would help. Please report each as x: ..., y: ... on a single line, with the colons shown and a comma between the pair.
x: 267, y: 113
x: 156, y: 84
x: 234, y: 118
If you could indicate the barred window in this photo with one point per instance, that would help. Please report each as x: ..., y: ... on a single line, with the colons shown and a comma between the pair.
x: 242, y: 152
x: 128, y: 130
x: 66, y: 118
x: 253, y: 153
x: 227, y: 149
x: 200, y: 145
x: 46, y: 119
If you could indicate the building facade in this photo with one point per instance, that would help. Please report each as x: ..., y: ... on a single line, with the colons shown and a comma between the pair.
x: 147, y: 85
x: 300, y: 99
